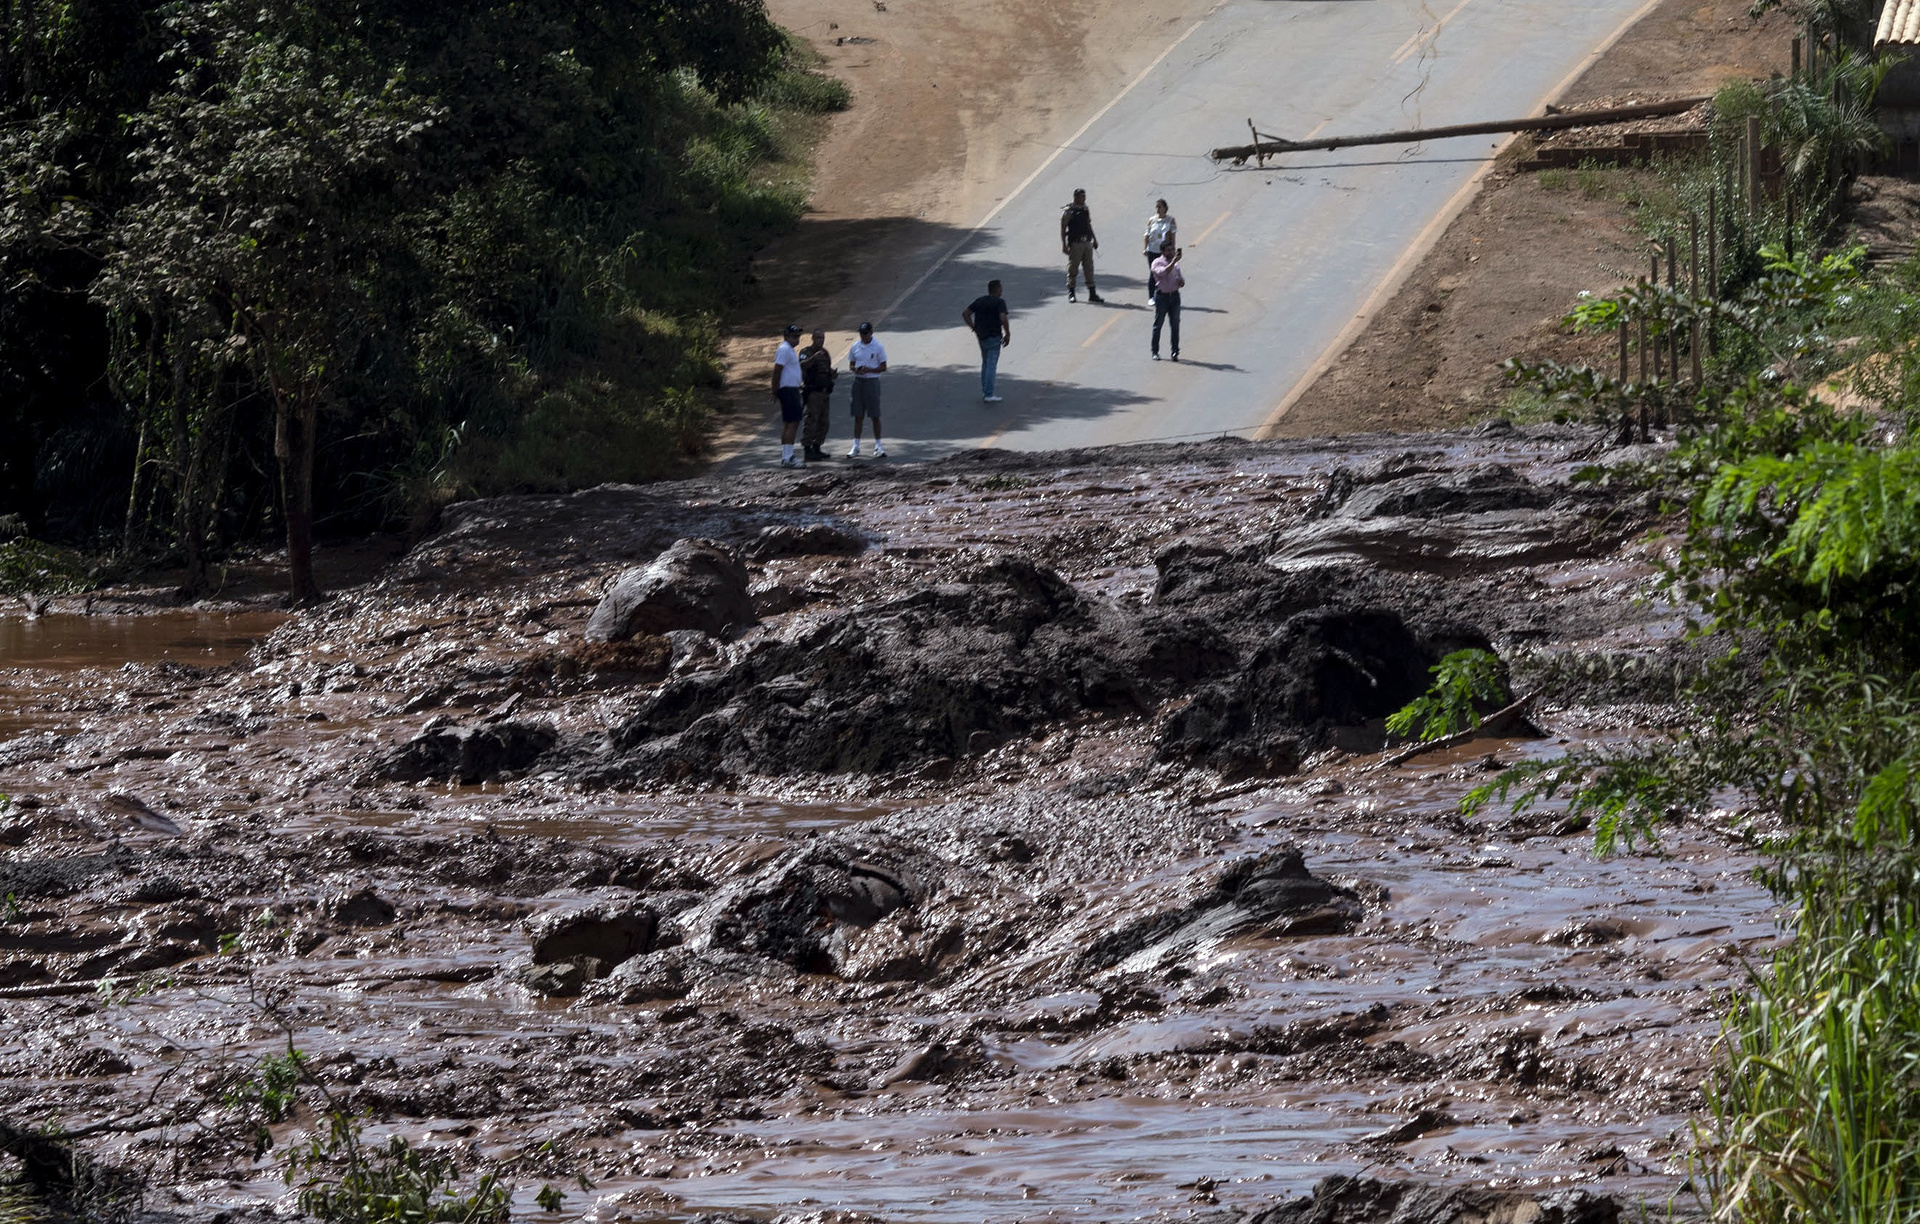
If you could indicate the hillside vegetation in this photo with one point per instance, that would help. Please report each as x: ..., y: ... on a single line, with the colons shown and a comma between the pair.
x: 276, y: 265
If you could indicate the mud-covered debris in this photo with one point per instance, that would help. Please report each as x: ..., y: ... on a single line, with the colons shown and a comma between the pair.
x: 361, y: 908
x: 1273, y: 890
x: 1480, y: 489
x: 1424, y: 1122
x: 810, y: 540
x: 695, y: 584
x: 1455, y: 521
x: 469, y: 754
x: 922, y: 1063
x: 1365, y: 1200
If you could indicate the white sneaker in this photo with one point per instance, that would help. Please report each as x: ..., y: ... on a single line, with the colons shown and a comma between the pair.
x: 855, y: 452
x: 879, y: 451
x: 991, y: 399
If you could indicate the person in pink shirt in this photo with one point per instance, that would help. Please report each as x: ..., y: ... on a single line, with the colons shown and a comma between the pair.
x: 1168, y: 281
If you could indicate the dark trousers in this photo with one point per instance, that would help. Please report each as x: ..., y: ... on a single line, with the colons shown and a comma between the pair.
x: 1166, y: 309
x: 1151, y: 256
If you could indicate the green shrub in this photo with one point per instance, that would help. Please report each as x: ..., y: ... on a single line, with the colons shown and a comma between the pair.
x: 1461, y: 682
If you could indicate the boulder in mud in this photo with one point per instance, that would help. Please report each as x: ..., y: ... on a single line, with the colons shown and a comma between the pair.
x: 806, y: 540
x: 468, y: 754
x: 609, y: 932
x: 1273, y: 891
x: 695, y: 584
x: 799, y: 906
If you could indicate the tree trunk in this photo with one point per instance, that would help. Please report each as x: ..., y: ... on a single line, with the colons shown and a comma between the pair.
x: 133, y: 492
x: 186, y: 471
x: 29, y: 37
x: 295, y: 446
x: 6, y: 50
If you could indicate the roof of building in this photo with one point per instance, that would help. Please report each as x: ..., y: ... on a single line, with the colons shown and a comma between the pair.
x: 1899, y: 24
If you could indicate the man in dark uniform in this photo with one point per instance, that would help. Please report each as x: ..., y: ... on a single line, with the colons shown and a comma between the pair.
x: 816, y: 384
x: 1077, y: 243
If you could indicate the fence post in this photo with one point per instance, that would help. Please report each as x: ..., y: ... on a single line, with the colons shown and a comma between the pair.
x: 1654, y: 284
x: 1693, y: 323
x: 1753, y: 168
x: 1713, y: 262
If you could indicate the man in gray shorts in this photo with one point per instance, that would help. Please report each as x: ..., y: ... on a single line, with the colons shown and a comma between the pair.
x: 868, y: 361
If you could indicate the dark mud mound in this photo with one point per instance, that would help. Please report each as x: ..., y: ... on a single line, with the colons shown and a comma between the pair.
x: 696, y: 584
x: 1273, y: 891
x: 1365, y: 1200
x: 470, y: 754
x: 958, y: 668
x: 946, y: 671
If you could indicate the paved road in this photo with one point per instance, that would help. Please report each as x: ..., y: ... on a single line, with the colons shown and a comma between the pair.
x: 1279, y: 261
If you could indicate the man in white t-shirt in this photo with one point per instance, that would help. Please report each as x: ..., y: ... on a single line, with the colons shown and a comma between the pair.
x: 868, y: 361
x: 786, y: 389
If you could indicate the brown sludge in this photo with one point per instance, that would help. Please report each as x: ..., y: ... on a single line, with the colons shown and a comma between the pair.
x: 1011, y: 852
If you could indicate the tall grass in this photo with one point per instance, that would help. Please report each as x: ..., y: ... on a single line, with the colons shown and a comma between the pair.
x: 1815, y: 1110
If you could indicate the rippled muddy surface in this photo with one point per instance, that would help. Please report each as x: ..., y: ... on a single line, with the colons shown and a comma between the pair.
x: 1092, y: 901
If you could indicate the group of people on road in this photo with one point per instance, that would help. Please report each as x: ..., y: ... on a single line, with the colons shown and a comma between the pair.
x: 803, y: 379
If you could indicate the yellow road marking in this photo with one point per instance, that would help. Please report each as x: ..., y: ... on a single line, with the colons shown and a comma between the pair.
x: 1412, y: 44
x: 1216, y: 225
x: 1100, y: 331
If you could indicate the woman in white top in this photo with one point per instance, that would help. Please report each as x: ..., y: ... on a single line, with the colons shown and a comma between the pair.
x: 1161, y: 228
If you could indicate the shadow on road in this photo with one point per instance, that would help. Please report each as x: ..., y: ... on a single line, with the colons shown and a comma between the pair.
x: 931, y: 413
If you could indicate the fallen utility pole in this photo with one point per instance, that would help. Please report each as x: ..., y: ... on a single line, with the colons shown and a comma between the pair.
x: 1265, y: 145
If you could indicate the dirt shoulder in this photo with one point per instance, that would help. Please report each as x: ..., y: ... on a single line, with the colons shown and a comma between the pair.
x: 953, y: 104
x: 1505, y: 272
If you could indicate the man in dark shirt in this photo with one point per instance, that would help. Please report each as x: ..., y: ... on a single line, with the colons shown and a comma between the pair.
x: 817, y: 377
x: 987, y: 316
x: 1077, y: 243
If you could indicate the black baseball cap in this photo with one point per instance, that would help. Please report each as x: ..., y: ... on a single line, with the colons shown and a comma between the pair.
x: 793, y: 329
x: 866, y: 327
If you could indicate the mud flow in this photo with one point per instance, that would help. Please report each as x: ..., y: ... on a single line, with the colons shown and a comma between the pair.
x: 1009, y: 838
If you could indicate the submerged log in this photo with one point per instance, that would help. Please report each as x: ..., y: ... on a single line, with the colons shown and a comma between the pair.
x: 1269, y: 145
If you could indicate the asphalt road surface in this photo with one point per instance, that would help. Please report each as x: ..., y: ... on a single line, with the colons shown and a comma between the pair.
x: 1281, y: 262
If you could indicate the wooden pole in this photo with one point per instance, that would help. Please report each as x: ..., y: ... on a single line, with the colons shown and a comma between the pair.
x: 1693, y: 266
x: 1796, y: 59
x: 1258, y: 153
x: 1654, y: 283
x: 1753, y: 168
x: 1673, y: 284
x: 1623, y: 349
x: 1640, y: 314
x: 1713, y: 262
x: 1566, y: 119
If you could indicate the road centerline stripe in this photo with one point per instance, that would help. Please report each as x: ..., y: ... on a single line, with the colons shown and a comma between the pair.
x: 1100, y: 331
x: 1217, y: 221
x: 1427, y: 35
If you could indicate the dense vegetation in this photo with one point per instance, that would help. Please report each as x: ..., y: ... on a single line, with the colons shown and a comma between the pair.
x: 1797, y: 470
x: 278, y: 263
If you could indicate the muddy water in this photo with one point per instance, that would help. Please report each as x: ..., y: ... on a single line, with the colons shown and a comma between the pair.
x: 64, y: 641
x: 1543, y: 1015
